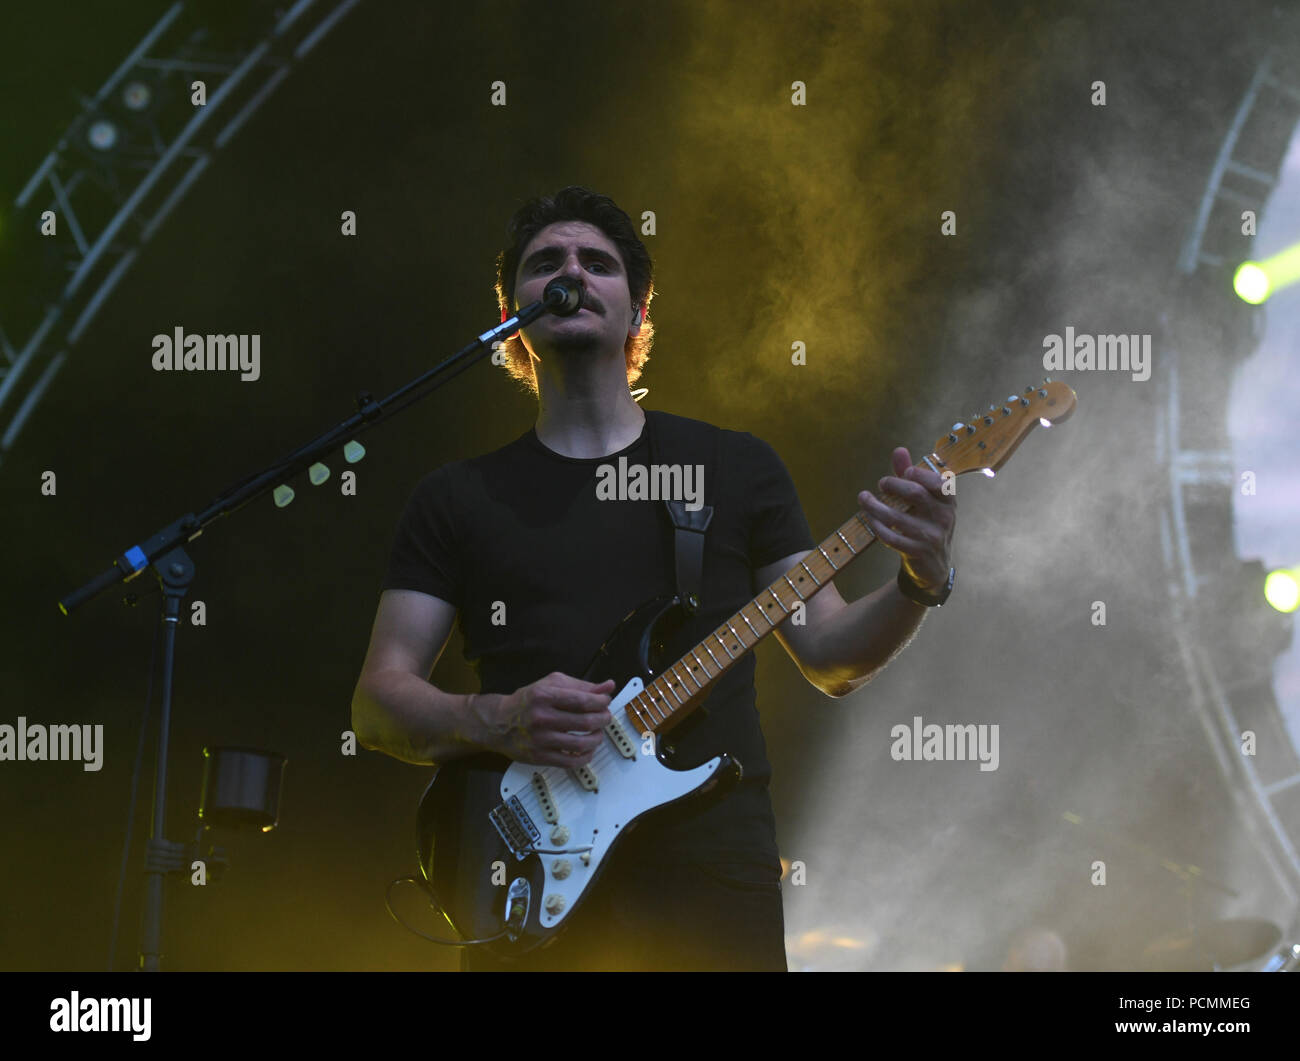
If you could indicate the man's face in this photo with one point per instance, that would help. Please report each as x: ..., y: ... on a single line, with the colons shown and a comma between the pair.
x: 582, y: 251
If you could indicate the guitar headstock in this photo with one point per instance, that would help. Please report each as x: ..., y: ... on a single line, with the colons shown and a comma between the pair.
x: 986, y: 441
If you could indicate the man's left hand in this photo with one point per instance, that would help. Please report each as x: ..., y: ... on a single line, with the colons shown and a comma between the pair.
x: 923, y: 535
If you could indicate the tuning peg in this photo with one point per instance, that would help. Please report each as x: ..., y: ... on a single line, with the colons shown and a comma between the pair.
x: 318, y: 473
x: 353, y: 452
x: 283, y: 495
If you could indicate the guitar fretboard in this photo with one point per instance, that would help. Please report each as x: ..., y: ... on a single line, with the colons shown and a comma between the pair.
x: 680, y: 688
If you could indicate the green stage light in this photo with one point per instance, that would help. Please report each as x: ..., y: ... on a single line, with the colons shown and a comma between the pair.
x: 1256, y: 281
x: 1282, y: 589
x: 1251, y: 283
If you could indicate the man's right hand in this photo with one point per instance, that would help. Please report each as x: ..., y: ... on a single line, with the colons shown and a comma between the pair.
x: 558, y: 720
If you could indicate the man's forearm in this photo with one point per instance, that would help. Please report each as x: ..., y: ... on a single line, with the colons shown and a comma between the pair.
x: 856, y: 643
x: 404, y: 716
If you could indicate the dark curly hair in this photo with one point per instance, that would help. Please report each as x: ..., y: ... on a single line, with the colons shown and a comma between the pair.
x: 576, y: 203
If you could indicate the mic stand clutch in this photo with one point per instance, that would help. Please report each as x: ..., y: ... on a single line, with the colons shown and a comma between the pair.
x: 164, y: 555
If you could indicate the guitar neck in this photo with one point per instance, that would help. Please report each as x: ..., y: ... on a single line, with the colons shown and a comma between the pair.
x: 680, y: 688
x: 984, y: 444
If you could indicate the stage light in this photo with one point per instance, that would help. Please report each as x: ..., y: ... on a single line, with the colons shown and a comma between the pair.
x: 1251, y: 283
x: 1282, y: 589
x: 136, y: 96
x: 1255, y: 282
x: 241, y: 787
x: 102, y: 135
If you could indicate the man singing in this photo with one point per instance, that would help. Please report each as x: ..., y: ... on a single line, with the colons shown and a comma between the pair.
x: 539, y: 567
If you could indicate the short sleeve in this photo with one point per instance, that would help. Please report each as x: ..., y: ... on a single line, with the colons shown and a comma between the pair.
x: 426, y: 554
x: 777, y: 526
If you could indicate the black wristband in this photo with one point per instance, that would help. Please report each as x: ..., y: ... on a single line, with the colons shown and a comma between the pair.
x: 913, y: 592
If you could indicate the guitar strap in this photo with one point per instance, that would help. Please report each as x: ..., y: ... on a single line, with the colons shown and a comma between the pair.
x: 682, y: 446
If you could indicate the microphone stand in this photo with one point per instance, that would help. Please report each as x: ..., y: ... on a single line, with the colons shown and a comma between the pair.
x: 163, y: 553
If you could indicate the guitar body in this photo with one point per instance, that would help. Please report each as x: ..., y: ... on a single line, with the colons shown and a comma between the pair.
x: 554, y: 829
x: 513, y: 851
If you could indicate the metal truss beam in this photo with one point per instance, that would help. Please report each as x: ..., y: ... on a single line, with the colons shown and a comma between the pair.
x: 126, y: 161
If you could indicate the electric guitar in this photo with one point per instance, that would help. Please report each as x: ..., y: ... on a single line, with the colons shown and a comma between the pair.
x: 508, y: 856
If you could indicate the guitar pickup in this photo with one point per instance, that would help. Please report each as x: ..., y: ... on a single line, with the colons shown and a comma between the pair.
x: 543, y: 792
x: 624, y: 743
x: 586, y: 778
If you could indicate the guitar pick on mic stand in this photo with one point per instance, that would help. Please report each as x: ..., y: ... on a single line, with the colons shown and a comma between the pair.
x: 163, y: 553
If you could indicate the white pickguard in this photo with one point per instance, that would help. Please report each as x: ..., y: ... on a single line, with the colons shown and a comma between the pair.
x: 627, y: 788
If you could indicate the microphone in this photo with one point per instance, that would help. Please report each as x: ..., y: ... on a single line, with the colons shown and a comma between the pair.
x: 563, y: 296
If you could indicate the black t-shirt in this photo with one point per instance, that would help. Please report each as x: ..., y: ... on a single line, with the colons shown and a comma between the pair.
x: 520, y: 535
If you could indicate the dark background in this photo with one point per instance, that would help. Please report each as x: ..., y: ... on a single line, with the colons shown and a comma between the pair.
x: 775, y: 223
